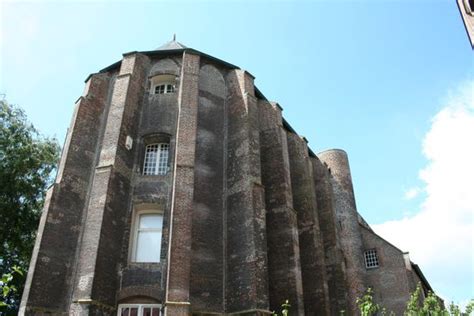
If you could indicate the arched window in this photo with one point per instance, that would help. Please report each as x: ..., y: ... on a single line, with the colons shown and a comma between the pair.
x: 147, y: 231
x: 156, y: 159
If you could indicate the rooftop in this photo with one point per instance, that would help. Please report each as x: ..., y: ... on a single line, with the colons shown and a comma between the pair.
x: 171, y: 45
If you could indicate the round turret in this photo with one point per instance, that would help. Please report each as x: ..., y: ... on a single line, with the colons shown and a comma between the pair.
x: 346, y: 213
x: 338, y: 164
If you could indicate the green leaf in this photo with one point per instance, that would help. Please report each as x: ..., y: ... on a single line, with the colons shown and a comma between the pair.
x: 27, y: 161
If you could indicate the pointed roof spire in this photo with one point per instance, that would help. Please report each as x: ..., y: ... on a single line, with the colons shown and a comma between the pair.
x: 173, y: 44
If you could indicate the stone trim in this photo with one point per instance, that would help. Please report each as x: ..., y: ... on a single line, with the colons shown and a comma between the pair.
x: 35, y: 309
x: 172, y: 303
x: 90, y: 301
x: 129, y: 75
x: 164, y: 72
x: 249, y: 311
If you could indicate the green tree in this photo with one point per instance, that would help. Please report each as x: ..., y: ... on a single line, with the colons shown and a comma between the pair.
x: 469, y: 307
x: 454, y: 309
x: 414, y: 303
x: 366, y: 304
x: 431, y: 305
x: 27, y: 161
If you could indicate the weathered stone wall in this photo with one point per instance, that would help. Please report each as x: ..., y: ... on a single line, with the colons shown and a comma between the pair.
x: 284, y: 267
x: 48, y: 285
x: 334, y: 258
x: 313, y: 267
x: 177, y: 291
x: 207, y: 268
x: 346, y: 214
x: 389, y: 281
x: 157, y: 123
x: 99, y: 251
x: 245, y: 232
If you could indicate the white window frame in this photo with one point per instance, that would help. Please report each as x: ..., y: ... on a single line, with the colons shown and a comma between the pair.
x: 168, y: 82
x: 371, y: 259
x: 167, y: 88
x: 136, y: 230
x: 161, y: 167
x: 139, y: 306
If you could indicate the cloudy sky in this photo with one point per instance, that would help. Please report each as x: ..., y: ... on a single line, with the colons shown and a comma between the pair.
x: 390, y: 82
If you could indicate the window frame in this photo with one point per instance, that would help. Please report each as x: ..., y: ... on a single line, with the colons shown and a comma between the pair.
x: 135, y: 232
x: 373, y: 260
x: 167, y: 81
x: 167, y: 88
x: 139, y: 306
x: 157, y: 162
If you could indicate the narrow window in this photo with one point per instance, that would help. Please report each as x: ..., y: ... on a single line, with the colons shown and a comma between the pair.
x: 156, y: 159
x: 371, y: 260
x: 147, y: 237
x: 139, y: 310
x: 169, y: 88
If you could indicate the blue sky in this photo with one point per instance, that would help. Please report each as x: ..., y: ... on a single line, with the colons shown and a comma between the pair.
x: 387, y: 81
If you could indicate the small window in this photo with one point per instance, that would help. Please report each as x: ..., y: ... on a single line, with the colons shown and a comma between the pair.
x: 147, y: 237
x: 371, y: 260
x: 163, y: 84
x: 164, y: 88
x: 156, y: 159
x: 139, y: 310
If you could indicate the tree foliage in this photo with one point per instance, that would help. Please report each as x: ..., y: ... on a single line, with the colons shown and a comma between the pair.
x: 431, y: 305
x: 366, y: 304
x: 26, y: 162
x: 285, y: 309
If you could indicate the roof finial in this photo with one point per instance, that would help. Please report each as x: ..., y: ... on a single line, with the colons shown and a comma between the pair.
x: 174, y: 37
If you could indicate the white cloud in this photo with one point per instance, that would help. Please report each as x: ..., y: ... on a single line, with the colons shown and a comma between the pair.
x: 412, y: 193
x: 440, y: 235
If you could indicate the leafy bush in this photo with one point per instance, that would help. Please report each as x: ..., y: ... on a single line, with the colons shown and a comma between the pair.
x: 431, y: 305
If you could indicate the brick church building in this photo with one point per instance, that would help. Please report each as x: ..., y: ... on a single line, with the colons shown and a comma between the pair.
x: 182, y: 190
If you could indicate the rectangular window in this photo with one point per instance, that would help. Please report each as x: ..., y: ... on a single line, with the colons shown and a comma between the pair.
x: 371, y: 260
x: 164, y: 88
x: 169, y: 88
x: 156, y: 159
x: 160, y: 89
x: 147, y: 237
x: 139, y: 310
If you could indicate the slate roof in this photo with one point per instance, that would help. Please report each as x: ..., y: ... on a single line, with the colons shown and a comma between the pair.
x: 171, y: 45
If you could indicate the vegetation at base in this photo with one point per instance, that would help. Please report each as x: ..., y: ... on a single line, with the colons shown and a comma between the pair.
x: 285, y: 309
x: 431, y: 305
x: 368, y: 307
x: 27, y: 161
